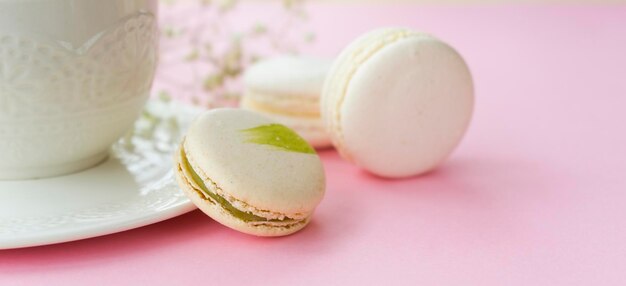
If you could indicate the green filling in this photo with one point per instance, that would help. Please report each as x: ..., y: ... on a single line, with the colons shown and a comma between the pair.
x: 278, y: 136
x: 245, y: 216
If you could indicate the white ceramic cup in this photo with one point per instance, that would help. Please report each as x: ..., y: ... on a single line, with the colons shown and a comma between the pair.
x: 74, y: 76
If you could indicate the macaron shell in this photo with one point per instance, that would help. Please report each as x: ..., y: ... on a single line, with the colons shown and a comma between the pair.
x: 288, y: 75
x: 284, y: 104
x: 341, y: 72
x: 261, y: 176
x: 217, y: 213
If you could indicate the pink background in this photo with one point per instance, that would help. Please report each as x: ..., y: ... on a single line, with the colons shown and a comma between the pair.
x: 535, y: 195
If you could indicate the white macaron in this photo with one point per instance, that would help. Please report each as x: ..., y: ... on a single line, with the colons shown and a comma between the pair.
x: 397, y: 102
x: 287, y: 89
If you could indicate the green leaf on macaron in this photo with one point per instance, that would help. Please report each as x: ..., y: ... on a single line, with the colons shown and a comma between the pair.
x: 279, y: 136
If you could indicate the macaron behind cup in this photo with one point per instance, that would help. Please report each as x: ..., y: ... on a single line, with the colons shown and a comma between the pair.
x: 249, y: 173
x: 397, y: 102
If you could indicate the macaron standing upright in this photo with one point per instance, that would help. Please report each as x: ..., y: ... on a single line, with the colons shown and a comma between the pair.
x: 287, y: 89
x: 397, y: 102
x: 250, y: 173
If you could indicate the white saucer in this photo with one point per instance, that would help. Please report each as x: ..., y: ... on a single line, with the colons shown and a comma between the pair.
x: 134, y: 187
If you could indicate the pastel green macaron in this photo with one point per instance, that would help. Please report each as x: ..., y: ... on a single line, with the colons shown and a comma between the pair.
x: 250, y: 173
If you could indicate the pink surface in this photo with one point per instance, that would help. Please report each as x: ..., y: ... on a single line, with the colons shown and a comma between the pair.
x: 536, y: 194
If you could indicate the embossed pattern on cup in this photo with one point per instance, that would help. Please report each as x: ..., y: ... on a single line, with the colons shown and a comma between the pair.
x: 67, y: 94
